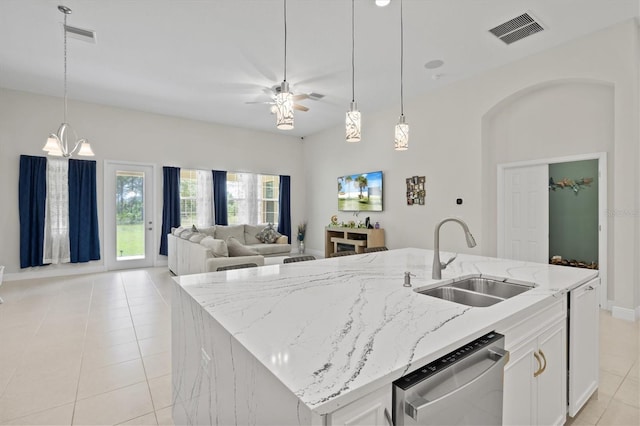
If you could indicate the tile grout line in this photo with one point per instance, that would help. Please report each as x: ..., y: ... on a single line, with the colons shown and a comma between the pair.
x: 144, y: 368
x: 84, y: 345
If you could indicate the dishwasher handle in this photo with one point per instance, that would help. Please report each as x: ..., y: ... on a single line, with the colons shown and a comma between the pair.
x: 500, y: 356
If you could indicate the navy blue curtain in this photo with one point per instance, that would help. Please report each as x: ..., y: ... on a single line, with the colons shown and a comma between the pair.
x: 284, y: 212
x: 220, y: 197
x: 32, y: 193
x: 84, y: 235
x: 170, y: 204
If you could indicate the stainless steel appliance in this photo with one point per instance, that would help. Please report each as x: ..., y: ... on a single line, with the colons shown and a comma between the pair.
x: 463, y: 387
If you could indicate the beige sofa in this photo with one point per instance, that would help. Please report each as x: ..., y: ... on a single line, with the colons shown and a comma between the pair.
x: 207, y: 250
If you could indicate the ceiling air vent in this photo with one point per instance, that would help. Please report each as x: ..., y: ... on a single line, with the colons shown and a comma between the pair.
x: 81, y: 34
x: 517, y: 28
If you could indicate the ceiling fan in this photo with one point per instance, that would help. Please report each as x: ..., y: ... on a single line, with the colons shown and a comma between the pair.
x: 273, y: 91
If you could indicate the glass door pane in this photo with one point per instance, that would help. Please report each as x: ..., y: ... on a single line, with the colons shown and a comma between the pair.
x: 130, y: 226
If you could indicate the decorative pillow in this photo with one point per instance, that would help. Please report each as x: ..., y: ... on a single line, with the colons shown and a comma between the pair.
x: 177, y: 231
x: 218, y: 247
x: 185, y: 235
x: 268, y: 235
x: 237, y: 249
x: 196, y: 238
x: 250, y: 232
x: 194, y: 229
x: 235, y: 231
x: 209, y: 230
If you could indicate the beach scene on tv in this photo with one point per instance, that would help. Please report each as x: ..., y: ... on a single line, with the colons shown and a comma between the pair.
x: 360, y: 192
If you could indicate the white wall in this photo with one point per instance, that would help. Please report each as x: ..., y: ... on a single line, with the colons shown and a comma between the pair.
x: 125, y: 135
x: 448, y: 147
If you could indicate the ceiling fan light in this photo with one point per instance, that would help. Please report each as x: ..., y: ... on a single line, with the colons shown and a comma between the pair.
x: 85, y: 149
x: 382, y: 3
x: 284, y: 108
x: 401, y: 135
x: 353, y: 124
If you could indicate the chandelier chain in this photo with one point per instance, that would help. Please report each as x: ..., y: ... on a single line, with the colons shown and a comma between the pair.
x: 64, y: 30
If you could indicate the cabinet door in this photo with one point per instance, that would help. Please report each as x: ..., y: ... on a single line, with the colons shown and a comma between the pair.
x: 583, y: 344
x: 552, y: 396
x: 519, y: 401
x: 373, y: 409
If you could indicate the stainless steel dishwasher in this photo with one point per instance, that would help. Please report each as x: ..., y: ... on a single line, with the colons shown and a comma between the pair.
x: 463, y: 387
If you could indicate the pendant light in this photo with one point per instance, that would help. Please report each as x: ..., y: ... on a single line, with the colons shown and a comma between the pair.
x: 284, y: 99
x: 402, y: 128
x: 353, y: 119
x: 58, y: 144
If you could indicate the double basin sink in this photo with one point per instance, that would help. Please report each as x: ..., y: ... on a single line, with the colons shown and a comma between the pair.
x: 477, y: 292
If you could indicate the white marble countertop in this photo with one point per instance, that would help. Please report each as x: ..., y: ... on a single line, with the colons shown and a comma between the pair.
x: 333, y: 330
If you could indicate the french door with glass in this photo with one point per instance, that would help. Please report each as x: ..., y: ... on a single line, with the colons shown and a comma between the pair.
x: 129, y: 236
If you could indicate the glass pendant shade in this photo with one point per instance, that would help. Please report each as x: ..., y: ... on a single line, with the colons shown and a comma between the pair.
x: 52, y: 145
x: 402, y: 135
x: 85, y: 149
x: 284, y: 108
x: 353, y: 124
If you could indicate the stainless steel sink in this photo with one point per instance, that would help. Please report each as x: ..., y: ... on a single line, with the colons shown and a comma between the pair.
x: 464, y: 297
x: 503, y: 289
x: 477, y: 292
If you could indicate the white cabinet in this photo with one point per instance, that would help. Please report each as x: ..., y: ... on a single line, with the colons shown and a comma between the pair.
x: 535, y: 380
x: 535, y: 376
x: 583, y: 344
x: 373, y: 409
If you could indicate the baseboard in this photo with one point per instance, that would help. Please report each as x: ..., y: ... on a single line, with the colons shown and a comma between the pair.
x: 317, y: 253
x: 52, y: 272
x: 625, y: 313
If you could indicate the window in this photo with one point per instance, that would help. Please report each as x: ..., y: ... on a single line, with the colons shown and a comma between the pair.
x: 196, y: 198
x: 187, y: 197
x: 252, y: 198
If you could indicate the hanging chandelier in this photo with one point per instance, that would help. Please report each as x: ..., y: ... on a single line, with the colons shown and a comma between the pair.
x: 284, y: 99
x: 353, y: 119
x: 401, y: 142
x: 65, y: 142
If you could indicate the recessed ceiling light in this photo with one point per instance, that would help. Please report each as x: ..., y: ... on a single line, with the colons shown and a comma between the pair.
x: 436, y: 63
x: 382, y: 3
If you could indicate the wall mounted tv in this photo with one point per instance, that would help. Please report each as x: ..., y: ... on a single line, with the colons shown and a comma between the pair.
x: 360, y: 192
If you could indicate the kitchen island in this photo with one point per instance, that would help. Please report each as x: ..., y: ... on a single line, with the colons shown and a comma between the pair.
x: 295, y: 343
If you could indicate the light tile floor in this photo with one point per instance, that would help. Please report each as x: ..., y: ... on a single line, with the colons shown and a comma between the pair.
x: 91, y: 349
x: 95, y: 349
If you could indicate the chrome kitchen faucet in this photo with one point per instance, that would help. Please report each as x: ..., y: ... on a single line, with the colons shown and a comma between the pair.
x: 438, y: 266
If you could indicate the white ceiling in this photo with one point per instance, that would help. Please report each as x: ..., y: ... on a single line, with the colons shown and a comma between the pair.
x: 203, y: 59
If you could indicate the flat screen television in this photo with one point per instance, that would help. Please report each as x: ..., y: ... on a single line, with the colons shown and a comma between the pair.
x: 360, y: 192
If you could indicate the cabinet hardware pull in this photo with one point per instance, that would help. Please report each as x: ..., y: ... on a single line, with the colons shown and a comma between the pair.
x: 544, y: 358
x: 589, y: 288
x: 539, y: 370
x: 387, y: 416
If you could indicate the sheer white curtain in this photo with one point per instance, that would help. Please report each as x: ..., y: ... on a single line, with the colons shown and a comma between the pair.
x: 204, y: 198
x: 56, y: 225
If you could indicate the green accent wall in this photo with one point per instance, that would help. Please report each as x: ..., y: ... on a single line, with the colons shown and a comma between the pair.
x: 573, y: 218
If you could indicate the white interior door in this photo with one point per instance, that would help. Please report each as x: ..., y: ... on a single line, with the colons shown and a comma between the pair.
x: 129, y: 236
x: 525, y: 218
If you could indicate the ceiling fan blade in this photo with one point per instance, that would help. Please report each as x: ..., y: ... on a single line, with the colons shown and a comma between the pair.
x: 300, y: 107
x: 300, y: 97
x: 260, y: 102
